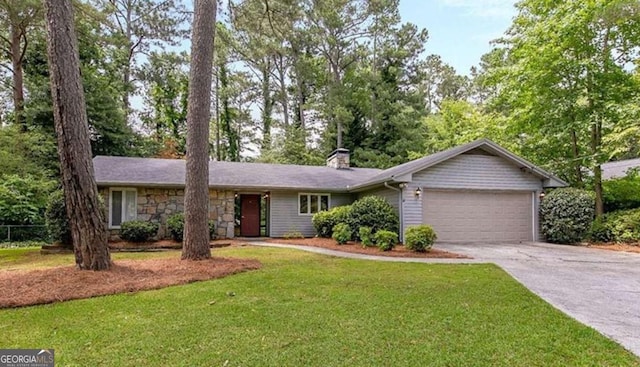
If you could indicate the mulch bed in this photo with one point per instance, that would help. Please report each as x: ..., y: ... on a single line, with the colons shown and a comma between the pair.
x: 355, y: 247
x: 26, y: 288
x: 163, y: 245
x: 624, y: 247
x: 124, y: 246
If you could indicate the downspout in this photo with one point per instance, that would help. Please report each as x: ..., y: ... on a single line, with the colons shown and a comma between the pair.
x: 400, y: 210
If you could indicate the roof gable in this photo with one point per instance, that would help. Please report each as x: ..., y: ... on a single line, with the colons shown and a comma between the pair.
x: 403, y: 172
x: 619, y: 168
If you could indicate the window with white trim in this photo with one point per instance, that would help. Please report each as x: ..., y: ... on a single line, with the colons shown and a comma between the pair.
x: 122, y: 206
x: 312, y: 203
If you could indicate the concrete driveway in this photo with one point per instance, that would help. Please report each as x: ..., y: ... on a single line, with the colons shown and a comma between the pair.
x: 599, y: 288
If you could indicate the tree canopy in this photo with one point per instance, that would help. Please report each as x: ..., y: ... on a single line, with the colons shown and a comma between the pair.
x: 293, y: 80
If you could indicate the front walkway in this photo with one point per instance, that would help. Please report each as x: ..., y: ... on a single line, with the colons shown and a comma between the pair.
x: 599, y: 288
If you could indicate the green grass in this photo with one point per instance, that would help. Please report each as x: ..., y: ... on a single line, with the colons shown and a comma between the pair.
x: 303, y: 309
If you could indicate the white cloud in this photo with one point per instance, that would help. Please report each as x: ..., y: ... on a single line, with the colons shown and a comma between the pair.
x: 484, y: 8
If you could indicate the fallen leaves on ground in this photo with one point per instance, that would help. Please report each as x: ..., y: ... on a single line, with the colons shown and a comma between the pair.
x: 616, y: 247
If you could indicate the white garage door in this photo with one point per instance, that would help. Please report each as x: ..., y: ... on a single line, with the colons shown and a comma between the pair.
x: 473, y: 216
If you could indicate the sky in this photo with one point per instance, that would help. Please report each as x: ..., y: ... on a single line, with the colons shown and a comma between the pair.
x: 460, y: 31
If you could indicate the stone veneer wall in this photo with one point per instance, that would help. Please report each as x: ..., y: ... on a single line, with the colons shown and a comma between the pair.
x: 156, y: 205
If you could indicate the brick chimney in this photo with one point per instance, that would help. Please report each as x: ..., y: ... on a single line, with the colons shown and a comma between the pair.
x: 339, y: 159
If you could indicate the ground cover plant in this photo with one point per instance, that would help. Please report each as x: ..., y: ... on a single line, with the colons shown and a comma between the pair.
x: 312, y: 310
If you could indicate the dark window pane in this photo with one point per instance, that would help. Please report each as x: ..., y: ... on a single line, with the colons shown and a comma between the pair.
x: 324, y: 202
x: 116, y: 208
x: 314, y: 203
x: 304, y: 204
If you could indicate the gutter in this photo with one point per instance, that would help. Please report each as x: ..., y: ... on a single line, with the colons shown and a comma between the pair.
x: 400, y: 209
x: 217, y: 186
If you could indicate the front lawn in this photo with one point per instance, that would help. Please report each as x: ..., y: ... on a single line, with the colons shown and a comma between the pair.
x: 303, y: 309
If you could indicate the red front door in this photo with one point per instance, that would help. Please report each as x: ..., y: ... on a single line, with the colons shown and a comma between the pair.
x: 250, y: 215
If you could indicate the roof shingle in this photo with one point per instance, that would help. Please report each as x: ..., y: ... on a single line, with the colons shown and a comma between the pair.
x: 127, y: 171
x: 619, y: 168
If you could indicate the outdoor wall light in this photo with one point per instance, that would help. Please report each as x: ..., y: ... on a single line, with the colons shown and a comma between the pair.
x: 542, y: 194
x: 402, y: 185
x: 417, y: 193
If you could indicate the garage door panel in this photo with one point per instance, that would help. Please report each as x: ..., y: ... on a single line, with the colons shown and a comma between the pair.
x: 472, y: 216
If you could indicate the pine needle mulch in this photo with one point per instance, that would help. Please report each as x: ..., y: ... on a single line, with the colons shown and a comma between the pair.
x: 34, y: 287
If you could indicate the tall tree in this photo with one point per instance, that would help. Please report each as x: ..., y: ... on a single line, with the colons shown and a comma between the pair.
x: 109, y: 132
x: 395, y: 128
x: 165, y: 115
x: 141, y: 25
x: 86, y: 218
x: 253, y: 41
x: 336, y: 27
x: 569, y: 72
x: 17, y: 18
x: 238, y: 96
x: 196, y: 229
x: 441, y: 83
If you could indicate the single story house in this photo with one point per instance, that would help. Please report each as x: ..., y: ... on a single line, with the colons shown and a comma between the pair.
x: 619, y: 169
x: 474, y: 192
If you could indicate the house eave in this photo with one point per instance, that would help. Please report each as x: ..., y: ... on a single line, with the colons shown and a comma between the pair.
x: 223, y: 187
x: 376, y: 183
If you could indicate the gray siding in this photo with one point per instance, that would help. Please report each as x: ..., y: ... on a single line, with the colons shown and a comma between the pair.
x: 466, y: 172
x: 480, y: 172
x: 412, y: 213
x: 284, y: 215
x: 390, y: 195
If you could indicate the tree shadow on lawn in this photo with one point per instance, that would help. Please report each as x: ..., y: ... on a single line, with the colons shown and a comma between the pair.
x: 26, y: 288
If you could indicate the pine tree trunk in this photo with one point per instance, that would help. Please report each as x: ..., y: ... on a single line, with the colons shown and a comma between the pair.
x: 18, y: 84
x: 196, y: 196
x: 284, y: 96
x: 267, y: 107
x: 86, y: 218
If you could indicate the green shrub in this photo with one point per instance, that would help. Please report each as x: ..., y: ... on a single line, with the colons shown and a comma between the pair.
x: 566, y: 215
x: 175, y: 225
x: 324, y: 221
x: 366, y: 236
x: 386, y: 240
x: 622, y: 193
x: 56, y: 220
x: 23, y: 199
x: 373, y: 212
x: 419, y: 238
x: 624, y: 225
x: 138, y: 230
x: 600, y: 231
x: 341, y: 233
